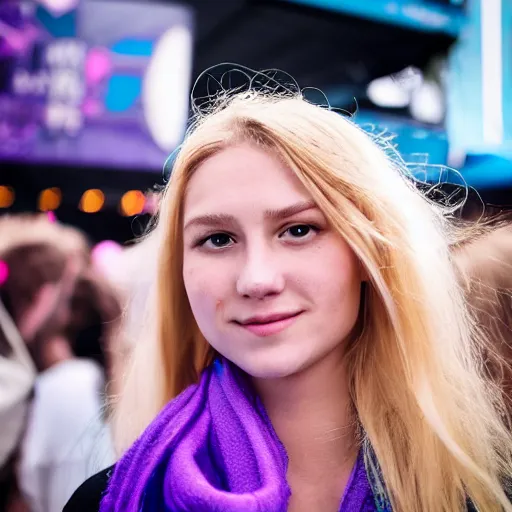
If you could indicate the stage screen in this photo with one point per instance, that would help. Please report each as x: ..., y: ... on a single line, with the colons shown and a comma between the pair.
x: 93, y: 82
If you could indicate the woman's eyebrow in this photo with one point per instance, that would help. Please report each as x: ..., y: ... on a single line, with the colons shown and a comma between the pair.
x: 215, y: 219
x: 210, y: 219
x: 288, y: 211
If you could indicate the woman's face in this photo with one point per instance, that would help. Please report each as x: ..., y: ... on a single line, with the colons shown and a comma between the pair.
x: 272, y: 287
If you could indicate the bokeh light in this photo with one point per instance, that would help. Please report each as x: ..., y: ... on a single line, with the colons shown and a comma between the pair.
x: 6, y: 196
x: 4, y: 272
x: 92, y: 201
x: 132, y: 203
x: 106, y: 256
x: 49, y: 199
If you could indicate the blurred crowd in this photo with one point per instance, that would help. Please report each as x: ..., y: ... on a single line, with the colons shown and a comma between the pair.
x: 485, y: 261
x: 60, y: 362
x: 68, y: 321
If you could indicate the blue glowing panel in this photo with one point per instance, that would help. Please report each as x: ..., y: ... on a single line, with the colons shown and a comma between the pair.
x: 429, y: 16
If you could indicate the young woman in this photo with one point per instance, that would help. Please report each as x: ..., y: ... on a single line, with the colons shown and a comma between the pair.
x: 310, y: 349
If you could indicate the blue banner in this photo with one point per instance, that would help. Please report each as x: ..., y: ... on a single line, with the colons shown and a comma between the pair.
x: 416, y: 14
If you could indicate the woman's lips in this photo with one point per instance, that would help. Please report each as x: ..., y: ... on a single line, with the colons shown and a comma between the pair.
x: 273, y: 324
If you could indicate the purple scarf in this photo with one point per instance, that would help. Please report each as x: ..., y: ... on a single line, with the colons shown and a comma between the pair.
x: 213, y: 448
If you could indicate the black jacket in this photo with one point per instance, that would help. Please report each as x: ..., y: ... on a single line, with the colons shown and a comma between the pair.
x: 88, y: 496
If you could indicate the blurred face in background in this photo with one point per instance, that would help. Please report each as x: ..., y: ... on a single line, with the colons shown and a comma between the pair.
x: 37, y: 293
x: 33, y: 293
x: 272, y: 287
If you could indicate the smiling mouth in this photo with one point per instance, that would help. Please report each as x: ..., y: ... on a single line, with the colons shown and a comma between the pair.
x: 268, y: 325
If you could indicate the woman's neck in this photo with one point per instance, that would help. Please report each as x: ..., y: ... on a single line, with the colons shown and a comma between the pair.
x: 311, y: 413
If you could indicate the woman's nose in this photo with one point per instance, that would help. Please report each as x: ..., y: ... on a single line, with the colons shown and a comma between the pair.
x: 260, y: 276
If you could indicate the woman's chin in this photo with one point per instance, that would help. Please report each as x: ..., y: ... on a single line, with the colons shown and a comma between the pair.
x: 270, y: 367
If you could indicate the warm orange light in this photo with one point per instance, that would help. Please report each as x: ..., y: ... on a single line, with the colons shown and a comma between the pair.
x: 49, y: 199
x: 6, y: 196
x: 132, y: 203
x: 92, y: 200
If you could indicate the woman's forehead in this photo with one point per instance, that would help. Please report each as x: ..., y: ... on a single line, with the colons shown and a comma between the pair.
x: 243, y: 175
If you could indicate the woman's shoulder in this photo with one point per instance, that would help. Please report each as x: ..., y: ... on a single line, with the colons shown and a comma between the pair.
x: 87, y: 497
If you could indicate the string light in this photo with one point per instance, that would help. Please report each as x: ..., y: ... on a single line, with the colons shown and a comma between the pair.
x: 6, y: 196
x: 92, y: 200
x: 49, y: 199
x: 132, y: 203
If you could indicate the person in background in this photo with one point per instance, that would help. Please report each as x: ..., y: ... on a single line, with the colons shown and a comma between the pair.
x: 40, y: 261
x: 485, y: 263
x: 17, y: 376
x: 67, y: 438
x: 95, y: 329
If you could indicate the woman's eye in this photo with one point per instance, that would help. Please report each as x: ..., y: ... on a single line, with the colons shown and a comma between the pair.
x: 217, y: 241
x: 299, y: 231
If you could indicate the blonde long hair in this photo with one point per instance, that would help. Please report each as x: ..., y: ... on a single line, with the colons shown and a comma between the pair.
x: 416, y: 373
